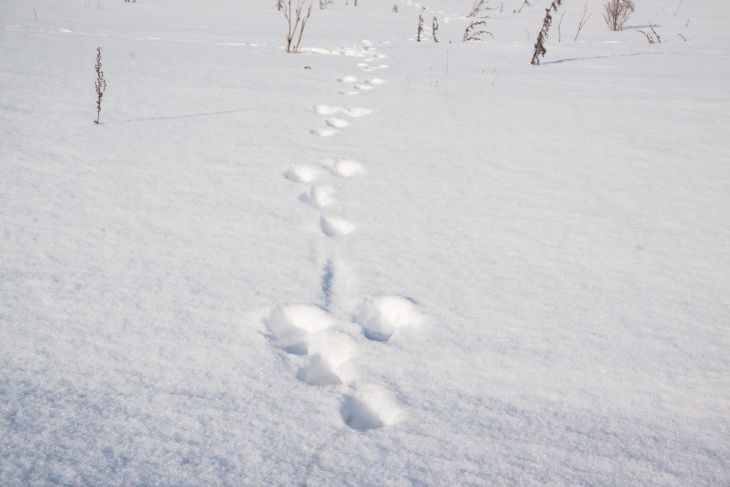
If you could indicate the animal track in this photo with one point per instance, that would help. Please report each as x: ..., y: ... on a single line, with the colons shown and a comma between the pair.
x: 292, y: 324
x: 303, y: 173
x: 357, y: 112
x: 327, y: 109
x: 370, y: 407
x: 333, y: 226
x: 343, y: 168
x: 307, y: 329
x: 319, y: 196
x: 325, y: 132
x: 337, y: 122
x: 381, y: 316
x: 329, y: 363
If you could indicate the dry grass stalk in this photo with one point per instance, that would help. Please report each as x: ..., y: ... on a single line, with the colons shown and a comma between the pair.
x: 100, y: 84
x: 540, y: 50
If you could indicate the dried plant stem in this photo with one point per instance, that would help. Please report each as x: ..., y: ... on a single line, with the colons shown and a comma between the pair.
x: 583, y: 20
x: 543, y: 34
x: 100, y: 84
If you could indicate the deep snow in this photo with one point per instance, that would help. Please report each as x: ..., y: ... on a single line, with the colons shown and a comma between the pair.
x: 407, y: 264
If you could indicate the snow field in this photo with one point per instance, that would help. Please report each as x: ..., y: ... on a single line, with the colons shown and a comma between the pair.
x: 560, y: 231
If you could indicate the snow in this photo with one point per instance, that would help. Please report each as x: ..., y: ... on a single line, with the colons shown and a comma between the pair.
x: 491, y: 273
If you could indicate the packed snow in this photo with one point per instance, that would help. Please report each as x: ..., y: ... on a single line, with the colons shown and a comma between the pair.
x: 374, y: 262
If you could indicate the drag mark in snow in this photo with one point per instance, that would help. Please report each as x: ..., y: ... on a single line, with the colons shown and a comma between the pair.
x: 328, y: 277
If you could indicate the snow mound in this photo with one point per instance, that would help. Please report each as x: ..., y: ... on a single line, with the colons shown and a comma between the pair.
x: 370, y: 407
x: 381, y: 316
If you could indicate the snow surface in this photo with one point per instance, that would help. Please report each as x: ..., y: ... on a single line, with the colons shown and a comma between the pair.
x: 485, y: 273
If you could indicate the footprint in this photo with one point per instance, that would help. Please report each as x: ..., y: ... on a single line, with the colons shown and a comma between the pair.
x: 303, y: 173
x: 319, y: 196
x: 344, y: 168
x: 348, y: 79
x: 381, y: 316
x: 337, y: 122
x: 329, y: 363
x: 383, y: 66
x: 327, y: 109
x: 357, y: 112
x: 291, y: 325
x: 325, y: 132
x: 333, y: 226
x: 363, y: 86
x: 376, y: 81
x: 362, y: 65
x: 370, y: 407
x: 350, y: 93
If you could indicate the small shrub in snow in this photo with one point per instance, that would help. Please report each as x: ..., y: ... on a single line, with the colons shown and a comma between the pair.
x: 100, y: 84
x: 617, y: 12
x: 296, y: 19
x: 543, y: 35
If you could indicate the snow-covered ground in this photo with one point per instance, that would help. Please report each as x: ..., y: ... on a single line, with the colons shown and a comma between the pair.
x: 377, y: 262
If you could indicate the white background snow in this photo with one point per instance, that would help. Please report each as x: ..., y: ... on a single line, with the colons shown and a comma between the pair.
x: 408, y: 264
